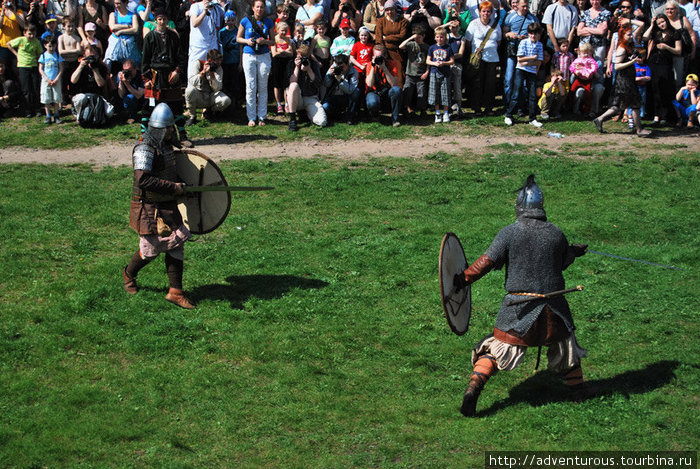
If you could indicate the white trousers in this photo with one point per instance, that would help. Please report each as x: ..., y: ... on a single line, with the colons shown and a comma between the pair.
x: 257, y: 71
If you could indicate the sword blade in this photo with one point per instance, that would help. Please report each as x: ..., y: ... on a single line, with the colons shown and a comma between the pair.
x: 634, y: 260
x: 227, y: 188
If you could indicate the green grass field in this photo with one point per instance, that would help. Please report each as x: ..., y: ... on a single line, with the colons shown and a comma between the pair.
x: 319, y: 339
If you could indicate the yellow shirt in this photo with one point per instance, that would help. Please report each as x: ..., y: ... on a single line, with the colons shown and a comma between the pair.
x: 10, y: 28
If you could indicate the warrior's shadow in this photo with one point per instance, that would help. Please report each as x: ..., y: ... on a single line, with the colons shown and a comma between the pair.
x: 242, y: 287
x: 545, y: 387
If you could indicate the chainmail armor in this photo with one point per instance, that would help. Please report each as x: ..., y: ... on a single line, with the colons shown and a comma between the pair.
x: 143, y: 157
x: 535, y: 253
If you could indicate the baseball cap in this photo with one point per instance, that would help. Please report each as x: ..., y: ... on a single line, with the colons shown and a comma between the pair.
x: 50, y: 18
x: 345, y: 23
x: 90, y: 27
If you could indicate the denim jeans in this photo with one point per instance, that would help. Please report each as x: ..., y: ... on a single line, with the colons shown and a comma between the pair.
x: 335, y: 105
x: 131, y: 105
x: 524, y: 84
x: 390, y: 96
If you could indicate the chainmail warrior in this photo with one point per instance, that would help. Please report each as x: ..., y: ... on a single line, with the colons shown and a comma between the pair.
x: 154, y: 214
x: 535, y: 253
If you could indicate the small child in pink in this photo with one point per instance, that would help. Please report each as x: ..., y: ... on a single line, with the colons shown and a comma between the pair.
x: 584, y: 69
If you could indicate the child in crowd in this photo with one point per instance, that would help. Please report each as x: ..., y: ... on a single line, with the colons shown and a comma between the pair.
x: 440, y: 58
x: 342, y: 45
x: 70, y: 50
x: 361, y: 53
x: 282, y: 53
x: 233, y: 81
x: 51, y: 68
x: 544, y: 72
x: 416, y: 70
x: 686, y: 102
x: 562, y: 60
x: 530, y: 55
x: 642, y: 79
x: 553, y: 96
x: 458, y: 45
x: 321, y: 46
x: 283, y: 12
x: 91, y: 40
x: 299, y: 33
x: 27, y: 48
x: 584, y: 70
x: 51, y: 24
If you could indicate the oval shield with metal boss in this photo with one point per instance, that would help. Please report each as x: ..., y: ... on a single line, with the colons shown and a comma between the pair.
x: 205, y: 211
x: 456, y: 303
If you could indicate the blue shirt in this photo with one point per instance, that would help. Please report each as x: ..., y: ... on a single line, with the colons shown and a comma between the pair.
x: 527, y: 48
x: 443, y: 53
x: 50, y: 62
x: 518, y: 24
x: 266, y: 25
x: 232, y: 50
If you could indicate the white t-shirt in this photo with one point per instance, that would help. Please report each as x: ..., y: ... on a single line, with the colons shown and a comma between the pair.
x: 475, y: 34
x: 205, y: 35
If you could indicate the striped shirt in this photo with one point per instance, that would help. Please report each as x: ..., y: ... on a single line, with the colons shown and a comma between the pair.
x: 527, y: 48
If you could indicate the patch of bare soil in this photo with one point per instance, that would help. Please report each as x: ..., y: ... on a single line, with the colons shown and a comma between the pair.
x: 581, y: 146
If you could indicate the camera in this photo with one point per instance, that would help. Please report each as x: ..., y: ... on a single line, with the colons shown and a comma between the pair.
x: 346, y: 8
x: 91, y: 60
x: 337, y: 71
x: 305, y: 61
x: 378, y: 60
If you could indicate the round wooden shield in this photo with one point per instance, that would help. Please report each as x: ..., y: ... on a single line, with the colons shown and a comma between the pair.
x: 457, y: 304
x: 202, y: 212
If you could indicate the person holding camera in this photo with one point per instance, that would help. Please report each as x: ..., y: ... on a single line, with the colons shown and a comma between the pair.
x: 206, y: 19
x: 130, y: 89
x: 255, y: 33
x: 204, y: 89
x: 456, y: 11
x: 304, y: 89
x: 426, y: 13
x: 343, y: 95
x: 91, y: 74
x: 383, y: 84
x: 11, y: 25
x: 346, y: 10
x: 163, y: 66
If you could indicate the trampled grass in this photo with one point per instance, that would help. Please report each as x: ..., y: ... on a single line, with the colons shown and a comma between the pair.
x: 319, y: 340
x: 33, y: 133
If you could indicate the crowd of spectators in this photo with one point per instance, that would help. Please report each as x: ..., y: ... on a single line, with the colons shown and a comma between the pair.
x: 327, y: 60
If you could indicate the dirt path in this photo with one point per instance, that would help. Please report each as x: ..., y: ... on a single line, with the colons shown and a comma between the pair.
x: 111, y: 154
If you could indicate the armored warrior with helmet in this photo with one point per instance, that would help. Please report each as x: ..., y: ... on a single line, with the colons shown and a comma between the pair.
x: 154, y: 213
x: 535, y: 253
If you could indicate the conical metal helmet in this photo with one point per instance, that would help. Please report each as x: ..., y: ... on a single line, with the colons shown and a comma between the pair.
x: 161, y: 117
x: 530, y: 195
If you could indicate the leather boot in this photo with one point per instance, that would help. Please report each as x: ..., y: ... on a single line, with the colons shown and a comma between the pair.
x: 177, y: 297
x: 471, y: 395
x: 129, y: 283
